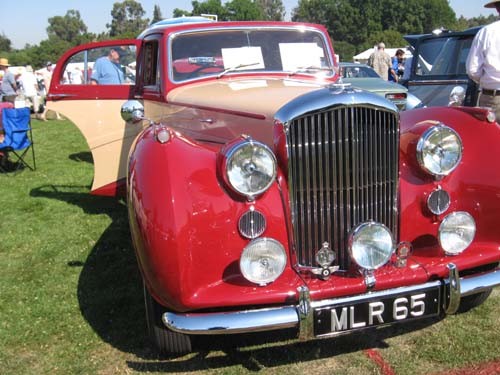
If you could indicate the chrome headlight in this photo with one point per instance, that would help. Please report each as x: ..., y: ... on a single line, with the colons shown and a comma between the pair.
x: 263, y: 261
x: 439, y: 150
x: 456, y: 232
x: 250, y: 168
x: 371, y: 245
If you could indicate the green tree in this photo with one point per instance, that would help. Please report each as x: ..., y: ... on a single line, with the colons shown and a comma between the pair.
x: 438, y: 13
x: 69, y: 27
x: 273, y: 10
x: 209, y: 7
x: 156, y: 14
x: 127, y: 20
x: 243, y: 10
x: 5, y: 43
x: 181, y: 13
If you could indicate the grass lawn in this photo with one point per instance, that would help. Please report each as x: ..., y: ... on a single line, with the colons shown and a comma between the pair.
x: 71, y: 295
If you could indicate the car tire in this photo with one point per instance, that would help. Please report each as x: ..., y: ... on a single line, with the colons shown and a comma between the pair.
x: 166, y: 341
x: 469, y: 302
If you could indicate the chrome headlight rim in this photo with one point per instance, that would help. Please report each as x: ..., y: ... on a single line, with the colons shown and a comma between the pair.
x: 279, y: 256
x: 423, y: 142
x: 228, y: 158
x: 443, y: 230
x: 354, y: 235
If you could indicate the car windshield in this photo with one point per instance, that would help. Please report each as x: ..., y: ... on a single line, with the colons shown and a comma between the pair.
x: 361, y: 71
x: 221, y: 52
x: 443, y: 56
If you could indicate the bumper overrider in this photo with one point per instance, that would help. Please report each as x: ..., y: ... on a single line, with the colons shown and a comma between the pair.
x: 335, y: 316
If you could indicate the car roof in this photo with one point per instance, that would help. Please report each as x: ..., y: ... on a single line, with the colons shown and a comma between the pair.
x: 192, y: 23
x: 414, y: 39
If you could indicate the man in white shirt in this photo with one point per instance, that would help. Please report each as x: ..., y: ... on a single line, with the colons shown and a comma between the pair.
x: 483, y: 62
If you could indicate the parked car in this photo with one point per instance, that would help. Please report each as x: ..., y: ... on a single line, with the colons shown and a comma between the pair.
x: 437, y: 73
x: 364, y: 77
x: 265, y: 195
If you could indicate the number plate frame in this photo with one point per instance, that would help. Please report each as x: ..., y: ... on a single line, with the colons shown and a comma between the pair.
x: 377, y: 309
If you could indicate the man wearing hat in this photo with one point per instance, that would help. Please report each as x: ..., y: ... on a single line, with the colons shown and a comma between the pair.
x: 483, y: 63
x: 107, y: 69
x: 8, y: 89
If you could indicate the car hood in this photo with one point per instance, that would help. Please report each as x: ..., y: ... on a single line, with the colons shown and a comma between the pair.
x: 218, y: 111
x: 255, y: 98
x: 375, y: 85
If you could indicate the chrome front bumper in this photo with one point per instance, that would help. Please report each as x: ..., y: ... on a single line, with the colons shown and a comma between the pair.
x: 301, y: 315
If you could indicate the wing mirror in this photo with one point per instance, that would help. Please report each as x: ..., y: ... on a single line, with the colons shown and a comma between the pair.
x: 132, y: 111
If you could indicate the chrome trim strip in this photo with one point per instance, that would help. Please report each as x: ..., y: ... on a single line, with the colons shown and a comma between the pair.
x: 301, y: 316
x: 437, y: 82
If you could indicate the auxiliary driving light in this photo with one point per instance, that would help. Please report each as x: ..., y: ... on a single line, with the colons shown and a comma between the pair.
x: 456, y: 232
x: 263, y: 260
x: 371, y: 245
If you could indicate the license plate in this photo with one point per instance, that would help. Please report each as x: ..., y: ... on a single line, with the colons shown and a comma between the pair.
x: 355, y: 314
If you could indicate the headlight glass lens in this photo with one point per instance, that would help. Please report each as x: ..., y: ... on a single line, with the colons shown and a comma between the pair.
x: 371, y: 245
x: 457, y: 232
x: 439, y: 150
x: 263, y: 261
x: 251, y: 168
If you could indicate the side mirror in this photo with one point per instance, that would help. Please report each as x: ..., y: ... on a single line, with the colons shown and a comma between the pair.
x: 132, y: 111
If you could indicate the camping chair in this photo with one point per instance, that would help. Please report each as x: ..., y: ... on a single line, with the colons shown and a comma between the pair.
x: 18, y: 137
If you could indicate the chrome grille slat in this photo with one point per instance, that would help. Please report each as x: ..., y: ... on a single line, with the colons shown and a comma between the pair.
x: 343, y: 170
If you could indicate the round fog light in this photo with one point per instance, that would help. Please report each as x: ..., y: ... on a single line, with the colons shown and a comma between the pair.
x: 456, y: 232
x: 371, y: 245
x: 263, y: 260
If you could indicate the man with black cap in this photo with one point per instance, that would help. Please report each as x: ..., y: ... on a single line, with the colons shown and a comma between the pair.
x: 483, y: 62
x: 107, y: 69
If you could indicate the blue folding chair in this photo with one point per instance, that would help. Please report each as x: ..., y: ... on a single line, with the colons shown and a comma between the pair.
x: 18, y: 137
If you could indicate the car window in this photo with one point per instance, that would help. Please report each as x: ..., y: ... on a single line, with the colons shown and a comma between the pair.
x: 443, y: 56
x: 150, y: 73
x: 198, y: 54
x: 358, y: 72
x: 110, y: 65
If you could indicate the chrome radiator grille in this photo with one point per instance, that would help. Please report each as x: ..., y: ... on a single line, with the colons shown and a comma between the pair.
x: 343, y: 170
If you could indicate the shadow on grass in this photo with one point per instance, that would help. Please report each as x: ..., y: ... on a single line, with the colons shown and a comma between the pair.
x: 111, y: 301
x: 237, y: 350
x: 110, y: 286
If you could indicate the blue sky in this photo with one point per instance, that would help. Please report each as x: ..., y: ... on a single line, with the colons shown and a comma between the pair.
x: 25, y: 21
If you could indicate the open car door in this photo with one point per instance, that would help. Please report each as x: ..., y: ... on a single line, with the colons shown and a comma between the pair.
x: 92, y: 100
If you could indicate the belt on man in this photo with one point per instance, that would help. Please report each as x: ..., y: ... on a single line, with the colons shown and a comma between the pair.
x: 490, y: 92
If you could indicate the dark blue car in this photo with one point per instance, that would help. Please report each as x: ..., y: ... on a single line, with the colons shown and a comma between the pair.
x: 437, y: 73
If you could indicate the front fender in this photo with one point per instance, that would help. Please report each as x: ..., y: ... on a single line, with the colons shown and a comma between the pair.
x: 184, y: 228
x: 474, y: 187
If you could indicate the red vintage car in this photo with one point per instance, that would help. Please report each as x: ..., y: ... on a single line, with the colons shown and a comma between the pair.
x: 264, y: 195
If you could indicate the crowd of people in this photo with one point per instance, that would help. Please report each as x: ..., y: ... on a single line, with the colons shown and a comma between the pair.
x: 25, y: 85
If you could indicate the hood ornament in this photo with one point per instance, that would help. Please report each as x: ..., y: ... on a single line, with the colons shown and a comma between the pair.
x: 325, y: 257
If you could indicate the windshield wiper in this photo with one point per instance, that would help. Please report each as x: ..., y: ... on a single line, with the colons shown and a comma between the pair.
x: 233, y: 68
x: 310, y: 67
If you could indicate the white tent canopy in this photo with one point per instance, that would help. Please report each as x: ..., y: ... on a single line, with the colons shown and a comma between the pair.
x: 363, y: 56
